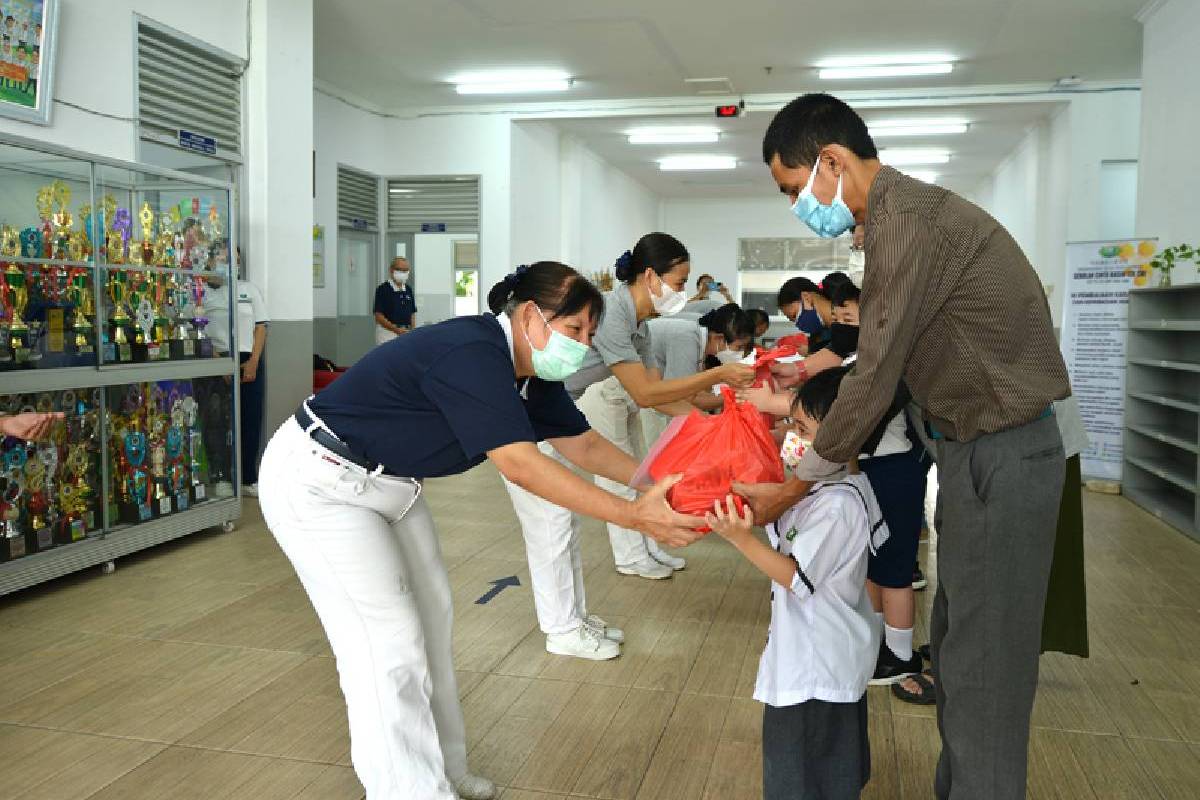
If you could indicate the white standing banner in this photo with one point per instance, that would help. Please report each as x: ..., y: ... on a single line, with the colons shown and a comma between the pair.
x: 1094, y: 331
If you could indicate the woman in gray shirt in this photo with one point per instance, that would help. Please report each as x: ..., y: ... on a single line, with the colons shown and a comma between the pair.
x: 618, y: 377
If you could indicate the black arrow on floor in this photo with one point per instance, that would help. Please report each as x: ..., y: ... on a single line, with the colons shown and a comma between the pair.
x: 498, y: 587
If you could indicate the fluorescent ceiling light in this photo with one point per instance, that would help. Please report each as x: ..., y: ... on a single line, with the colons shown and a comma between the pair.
x: 919, y: 127
x: 892, y: 71
x: 926, y: 175
x: 682, y: 135
x: 913, y: 157
x: 696, y: 162
x: 404, y: 191
x: 885, y: 66
x: 883, y: 61
x: 513, y: 82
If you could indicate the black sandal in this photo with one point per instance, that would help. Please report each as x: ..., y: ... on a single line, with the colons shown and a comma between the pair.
x: 927, y: 696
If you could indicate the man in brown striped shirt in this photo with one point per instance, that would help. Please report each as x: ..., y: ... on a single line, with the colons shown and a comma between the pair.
x: 952, y: 312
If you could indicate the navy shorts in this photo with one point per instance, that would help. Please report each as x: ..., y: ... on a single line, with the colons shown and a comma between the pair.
x: 899, y: 484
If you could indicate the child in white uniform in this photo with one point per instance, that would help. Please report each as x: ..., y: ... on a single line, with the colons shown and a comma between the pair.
x: 824, y: 634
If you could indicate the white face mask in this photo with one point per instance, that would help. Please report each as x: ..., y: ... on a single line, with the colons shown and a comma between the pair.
x: 400, y: 276
x: 792, y: 450
x: 729, y: 356
x: 669, y: 302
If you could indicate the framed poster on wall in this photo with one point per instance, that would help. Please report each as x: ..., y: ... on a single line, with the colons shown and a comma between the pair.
x: 318, y: 257
x: 27, y: 33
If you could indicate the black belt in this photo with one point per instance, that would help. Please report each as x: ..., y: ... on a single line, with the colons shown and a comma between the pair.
x: 331, y: 442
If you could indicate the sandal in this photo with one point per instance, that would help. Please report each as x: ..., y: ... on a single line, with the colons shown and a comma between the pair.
x: 925, y: 695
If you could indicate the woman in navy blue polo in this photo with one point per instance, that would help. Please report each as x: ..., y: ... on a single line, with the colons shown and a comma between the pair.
x: 340, y: 488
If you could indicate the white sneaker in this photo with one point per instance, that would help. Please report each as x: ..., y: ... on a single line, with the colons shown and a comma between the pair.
x: 251, y: 490
x: 646, y: 568
x: 474, y: 787
x: 583, y: 642
x: 604, y: 629
x: 666, y: 559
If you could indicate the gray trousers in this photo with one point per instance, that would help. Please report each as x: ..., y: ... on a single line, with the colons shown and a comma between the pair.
x: 997, y: 513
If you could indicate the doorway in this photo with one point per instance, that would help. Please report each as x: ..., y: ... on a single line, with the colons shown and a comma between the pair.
x: 356, y: 271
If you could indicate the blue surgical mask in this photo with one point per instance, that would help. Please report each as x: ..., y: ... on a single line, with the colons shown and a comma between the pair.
x: 826, y: 221
x: 560, y: 358
x: 809, y: 321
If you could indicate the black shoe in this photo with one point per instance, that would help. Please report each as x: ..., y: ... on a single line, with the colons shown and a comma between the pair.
x: 919, y: 581
x: 890, y: 669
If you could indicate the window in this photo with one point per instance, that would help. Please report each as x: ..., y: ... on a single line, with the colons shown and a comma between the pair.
x: 357, y: 200
x: 765, y: 264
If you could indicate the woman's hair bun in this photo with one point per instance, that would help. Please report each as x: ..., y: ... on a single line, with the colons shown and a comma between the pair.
x: 624, y: 266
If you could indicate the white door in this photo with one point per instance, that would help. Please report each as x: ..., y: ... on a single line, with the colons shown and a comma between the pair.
x: 355, y: 293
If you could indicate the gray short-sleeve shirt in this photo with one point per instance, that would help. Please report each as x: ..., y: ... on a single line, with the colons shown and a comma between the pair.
x: 677, y: 346
x: 619, y: 339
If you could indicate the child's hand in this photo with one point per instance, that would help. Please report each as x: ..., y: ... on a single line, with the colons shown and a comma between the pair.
x: 759, y: 397
x: 726, y: 521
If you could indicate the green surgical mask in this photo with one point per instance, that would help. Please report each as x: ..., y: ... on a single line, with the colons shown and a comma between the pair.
x: 562, y: 356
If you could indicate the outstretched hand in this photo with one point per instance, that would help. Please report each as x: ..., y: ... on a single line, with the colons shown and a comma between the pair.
x: 30, y: 425
x: 654, y: 517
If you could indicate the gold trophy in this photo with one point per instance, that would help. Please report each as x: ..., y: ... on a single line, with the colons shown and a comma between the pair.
x: 120, y: 322
x: 10, y: 242
x: 146, y: 215
x: 81, y: 322
x: 18, y: 331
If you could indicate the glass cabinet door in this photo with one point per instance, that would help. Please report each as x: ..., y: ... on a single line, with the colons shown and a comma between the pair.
x: 47, y: 309
x: 167, y: 288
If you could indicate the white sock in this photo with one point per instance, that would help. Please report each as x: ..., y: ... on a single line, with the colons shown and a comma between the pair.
x: 899, y: 641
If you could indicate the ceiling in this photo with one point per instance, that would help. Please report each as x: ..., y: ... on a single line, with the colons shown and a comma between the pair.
x: 400, y: 55
x: 995, y: 130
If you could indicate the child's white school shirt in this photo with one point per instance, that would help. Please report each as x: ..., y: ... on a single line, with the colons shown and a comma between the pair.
x: 824, y: 636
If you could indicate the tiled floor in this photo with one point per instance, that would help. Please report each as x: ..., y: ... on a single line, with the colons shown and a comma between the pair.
x: 198, y: 670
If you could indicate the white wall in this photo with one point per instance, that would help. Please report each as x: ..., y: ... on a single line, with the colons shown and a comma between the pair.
x: 94, y: 66
x: 604, y: 211
x: 710, y: 230
x: 1169, y: 164
x: 537, y: 210
x: 455, y: 145
x: 1048, y: 191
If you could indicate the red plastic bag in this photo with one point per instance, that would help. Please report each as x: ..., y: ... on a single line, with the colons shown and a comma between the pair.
x: 711, y: 452
x: 796, y: 340
x: 762, y: 372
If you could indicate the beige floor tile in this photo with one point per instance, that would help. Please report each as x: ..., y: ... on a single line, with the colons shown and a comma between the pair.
x: 713, y: 671
x: 1054, y: 771
x: 917, y: 748
x: 672, y: 658
x: 299, y: 715
x: 40, y: 764
x: 277, y: 617
x: 182, y: 773
x: 736, y: 772
x: 152, y: 690
x: 507, y: 745
x: 564, y: 749
x: 33, y: 659
x: 490, y: 701
x: 617, y: 764
x: 1173, y: 767
x: 684, y: 757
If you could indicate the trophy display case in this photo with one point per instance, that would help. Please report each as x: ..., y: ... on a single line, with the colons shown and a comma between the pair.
x: 107, y: 272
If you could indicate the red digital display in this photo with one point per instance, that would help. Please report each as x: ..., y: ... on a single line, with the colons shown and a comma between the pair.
x: 728, y: 111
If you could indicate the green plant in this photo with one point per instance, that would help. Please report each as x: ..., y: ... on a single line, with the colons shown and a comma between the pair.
x: 1164, y: 262
x: 462, y: 287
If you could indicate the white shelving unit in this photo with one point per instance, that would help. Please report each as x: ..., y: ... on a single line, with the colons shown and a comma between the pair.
x: 1162, y: 405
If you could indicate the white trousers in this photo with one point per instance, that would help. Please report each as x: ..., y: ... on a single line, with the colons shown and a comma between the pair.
x: 367, y: 554
x: 612, y: 413
x: 654, y: 424
x: 383, y: 335
x: 555, y: 558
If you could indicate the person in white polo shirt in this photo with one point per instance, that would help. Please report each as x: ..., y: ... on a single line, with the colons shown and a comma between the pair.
x: 252, y: 322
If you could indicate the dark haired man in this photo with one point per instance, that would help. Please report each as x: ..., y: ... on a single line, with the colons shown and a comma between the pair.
x: 945, y: 289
